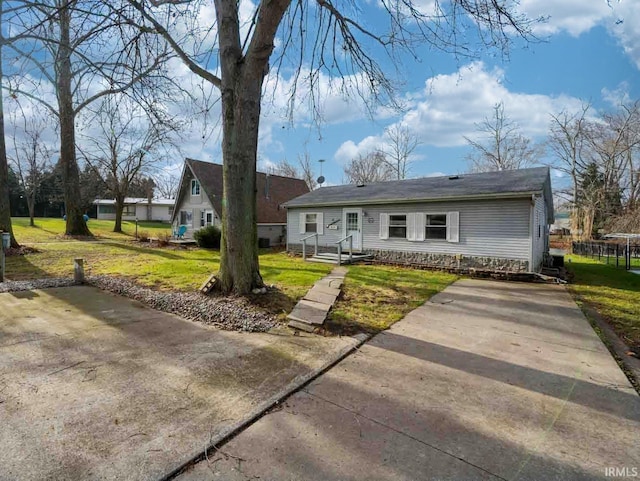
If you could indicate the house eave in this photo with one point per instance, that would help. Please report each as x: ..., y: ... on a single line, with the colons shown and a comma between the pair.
x: 509, y: 195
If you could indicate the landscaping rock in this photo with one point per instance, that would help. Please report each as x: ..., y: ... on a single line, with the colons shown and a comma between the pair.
x: 15, y: 286
x: 228, y: 313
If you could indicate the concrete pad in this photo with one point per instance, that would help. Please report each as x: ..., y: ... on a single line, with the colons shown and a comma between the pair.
x: 491, y: 379
x: 326, y: 289
x: 309, y: 312
x: 96, y: 386
x: 321, y: 297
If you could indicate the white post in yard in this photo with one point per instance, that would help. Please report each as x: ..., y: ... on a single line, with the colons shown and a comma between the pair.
x: 78, y: 270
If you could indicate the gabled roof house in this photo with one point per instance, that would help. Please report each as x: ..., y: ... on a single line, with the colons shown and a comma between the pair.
x: 495, y: 221
x: 199, y: 200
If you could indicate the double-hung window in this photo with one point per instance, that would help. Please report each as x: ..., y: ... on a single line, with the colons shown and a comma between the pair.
x: 398, y: 226
x: 311, y: 223
x: 186, y: 217
x: 195, y: 187
x: 421, y: 226
x: 436, y: 226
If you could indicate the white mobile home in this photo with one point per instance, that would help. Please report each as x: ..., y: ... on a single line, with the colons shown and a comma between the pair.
x: 496, y: 221
x: 136, y: 208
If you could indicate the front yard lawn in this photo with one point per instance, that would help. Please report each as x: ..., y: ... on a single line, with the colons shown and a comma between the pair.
x: 52, y: 229
x: 613, y: 292
x: 374, y: 297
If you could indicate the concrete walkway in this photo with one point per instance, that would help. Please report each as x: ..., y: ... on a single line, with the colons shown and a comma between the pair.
x: 488, y: 381
x: 311, y: 311
x: 96, y: 386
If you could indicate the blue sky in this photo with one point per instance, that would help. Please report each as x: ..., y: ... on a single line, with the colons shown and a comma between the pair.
x: 590, y: 51
x: 587, y: 55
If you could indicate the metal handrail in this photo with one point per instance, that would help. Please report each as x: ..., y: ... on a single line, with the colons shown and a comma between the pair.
x: 304, y: 245
x: 350, y: 237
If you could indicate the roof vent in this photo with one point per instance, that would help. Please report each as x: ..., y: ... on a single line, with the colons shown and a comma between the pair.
x: 360, y: 185
x: 454, y: 177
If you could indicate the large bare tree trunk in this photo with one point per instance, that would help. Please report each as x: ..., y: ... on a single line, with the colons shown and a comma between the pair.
x: 5, y: 208
x: 241, y: 91
x: 70, y: 174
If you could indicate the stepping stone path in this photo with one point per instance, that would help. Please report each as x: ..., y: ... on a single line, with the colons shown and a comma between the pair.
x: 313, y: 308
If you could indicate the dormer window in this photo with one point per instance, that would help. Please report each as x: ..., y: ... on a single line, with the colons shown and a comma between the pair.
x: 195, y: 187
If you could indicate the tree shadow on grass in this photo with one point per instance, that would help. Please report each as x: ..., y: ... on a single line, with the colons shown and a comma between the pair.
x: 144, y: 250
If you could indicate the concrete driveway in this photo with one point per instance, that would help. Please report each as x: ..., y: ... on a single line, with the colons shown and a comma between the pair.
x: 488, y: 380
x: 96, y: 386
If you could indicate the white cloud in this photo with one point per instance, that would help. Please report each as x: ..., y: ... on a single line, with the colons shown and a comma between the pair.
x: 625, y: 25
x: 349, y: 149
x: 572, y: 16
x: 450, y: 106
x: 576, y: 17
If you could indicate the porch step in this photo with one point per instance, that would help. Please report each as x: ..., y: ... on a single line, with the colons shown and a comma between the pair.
x: 332, y: 258
x: 312, y: 310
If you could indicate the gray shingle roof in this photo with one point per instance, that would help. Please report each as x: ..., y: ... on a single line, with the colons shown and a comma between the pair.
x: 503, y: 183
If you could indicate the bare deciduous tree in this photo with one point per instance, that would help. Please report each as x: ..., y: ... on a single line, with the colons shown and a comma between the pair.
x: 83, y: 50
x: 503, y: 146
x: 166, y: 184
x: 319, y: 37
x: 567, y: 142
x: 369, y: 168
x: 127, y: 145
x: 31, y: 158
x: 402, y: 144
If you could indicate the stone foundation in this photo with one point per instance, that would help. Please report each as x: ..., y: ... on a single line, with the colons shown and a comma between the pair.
x: 458, y: 262
x: 463, y: 263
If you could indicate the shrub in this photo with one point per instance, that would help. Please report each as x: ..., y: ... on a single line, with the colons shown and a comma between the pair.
x: 208, y: 237
x: 143, y: 236
x: 163, y: 239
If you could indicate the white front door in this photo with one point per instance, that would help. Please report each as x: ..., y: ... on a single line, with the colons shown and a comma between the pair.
x: 352, y: 222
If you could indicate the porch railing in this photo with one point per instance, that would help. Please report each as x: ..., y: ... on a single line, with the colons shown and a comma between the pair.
x: 304, y: 245
x: 339, y: 243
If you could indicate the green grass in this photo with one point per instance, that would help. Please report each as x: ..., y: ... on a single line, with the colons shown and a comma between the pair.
x: 613, y: 292
x: 374, y: 296
x: 52, y: 230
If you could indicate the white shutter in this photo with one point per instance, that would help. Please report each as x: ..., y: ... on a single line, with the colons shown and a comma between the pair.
x: 411, y: 227
x: 303, y: 220
x: 320, y: 223
x: 453, y: 226
x: 421, y: 219
x: 384, y: 226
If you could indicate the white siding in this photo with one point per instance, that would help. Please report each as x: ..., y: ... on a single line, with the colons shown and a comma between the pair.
x: 331, y: 216
x: 201, y: 204
x: 490, y: 228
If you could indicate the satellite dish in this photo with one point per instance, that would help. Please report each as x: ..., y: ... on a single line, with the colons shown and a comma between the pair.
x: 321, y: 179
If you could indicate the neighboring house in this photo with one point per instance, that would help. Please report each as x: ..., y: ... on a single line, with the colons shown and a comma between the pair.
x: 136, y: 208
x: 199, y: 201
x: 561, y: 224
x: 496, y: 221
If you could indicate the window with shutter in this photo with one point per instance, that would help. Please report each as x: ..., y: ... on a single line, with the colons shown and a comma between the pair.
x: 397, y: 226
